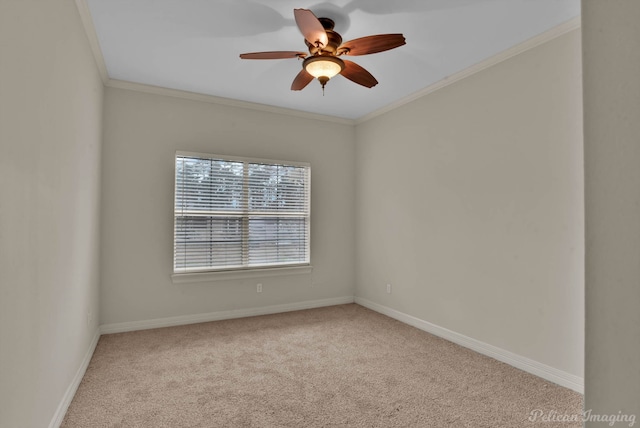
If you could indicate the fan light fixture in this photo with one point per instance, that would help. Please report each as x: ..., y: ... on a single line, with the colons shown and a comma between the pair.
x: 325, y: 46
x: 323, y: 67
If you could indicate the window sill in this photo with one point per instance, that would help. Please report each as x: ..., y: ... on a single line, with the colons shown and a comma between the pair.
x: 183, y: 278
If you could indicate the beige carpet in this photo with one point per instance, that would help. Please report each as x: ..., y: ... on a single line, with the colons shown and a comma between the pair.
x: 341, y: 366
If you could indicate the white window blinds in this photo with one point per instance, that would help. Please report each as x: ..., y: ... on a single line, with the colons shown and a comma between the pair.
x: 238, y: 213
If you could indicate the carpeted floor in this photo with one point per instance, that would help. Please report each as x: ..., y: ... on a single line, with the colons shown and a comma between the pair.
x: 340, y: 366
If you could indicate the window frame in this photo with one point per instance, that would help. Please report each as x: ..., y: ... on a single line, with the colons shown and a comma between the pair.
x: 195, y: 275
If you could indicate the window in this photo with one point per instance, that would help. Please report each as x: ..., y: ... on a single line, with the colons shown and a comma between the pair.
x: 237, y: 213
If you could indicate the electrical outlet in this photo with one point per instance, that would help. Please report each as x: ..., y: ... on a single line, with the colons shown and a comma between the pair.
x: 389, y: 288
x: 259, y: 288
x: 89, y: 318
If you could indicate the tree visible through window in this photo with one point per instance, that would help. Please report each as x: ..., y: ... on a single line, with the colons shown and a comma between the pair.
x: 237, y: 213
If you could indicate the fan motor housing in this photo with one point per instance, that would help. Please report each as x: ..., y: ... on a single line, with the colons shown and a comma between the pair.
x: 335, y: 39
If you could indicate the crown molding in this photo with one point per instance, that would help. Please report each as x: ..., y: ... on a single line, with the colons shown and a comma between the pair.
x: 92, y: 36
x: 531, y: 43
x: 89, y: 28
x: 212, y: 99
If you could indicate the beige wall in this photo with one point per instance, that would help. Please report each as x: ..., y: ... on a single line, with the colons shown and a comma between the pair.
x: 142, y: 133
x: 50, y: 138
x: 483, y: 235
x: 612, y: 183
x: 470, y: 203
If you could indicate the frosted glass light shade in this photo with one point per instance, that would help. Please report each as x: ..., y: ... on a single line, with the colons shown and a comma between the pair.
x: 323, y: 66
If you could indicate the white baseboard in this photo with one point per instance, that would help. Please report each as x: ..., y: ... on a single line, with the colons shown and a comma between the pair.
x: 544, y: 371
x: 75, y: 383
x: 221, y: 315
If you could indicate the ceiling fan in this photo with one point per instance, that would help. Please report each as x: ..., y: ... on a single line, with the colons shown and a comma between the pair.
x: 325, y: 47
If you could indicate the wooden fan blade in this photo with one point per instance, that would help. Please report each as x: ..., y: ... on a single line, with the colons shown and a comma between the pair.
x: 273, y: 55
x: 372, y: 44
x: 357, y: 74
x: 311, y: 27
x: 301, y: 81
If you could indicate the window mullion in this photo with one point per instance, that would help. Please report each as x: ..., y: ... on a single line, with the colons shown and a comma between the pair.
x: 245, y: 214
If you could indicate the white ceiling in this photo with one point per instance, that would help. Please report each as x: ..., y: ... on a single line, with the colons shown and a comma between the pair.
x: 193, y: 45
